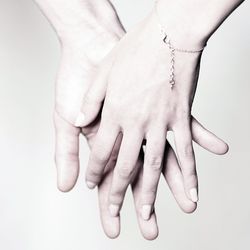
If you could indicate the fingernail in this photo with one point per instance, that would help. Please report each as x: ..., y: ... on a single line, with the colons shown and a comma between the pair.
x: 146, y: 212
x: 114, y: 210
x: 194, y: 194
x: 80, y: 120
x: 90, y: 184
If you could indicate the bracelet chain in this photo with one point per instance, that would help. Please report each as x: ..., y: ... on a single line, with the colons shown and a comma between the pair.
x: 173, y: 50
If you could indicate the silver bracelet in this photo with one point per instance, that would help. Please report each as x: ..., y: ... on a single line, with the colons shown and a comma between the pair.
x: 172, y: 49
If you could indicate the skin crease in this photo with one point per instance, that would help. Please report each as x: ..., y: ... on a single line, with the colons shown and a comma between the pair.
x: 138, y: 68
x: 78, y: 68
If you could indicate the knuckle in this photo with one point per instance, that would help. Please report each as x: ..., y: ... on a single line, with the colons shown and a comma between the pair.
x: 138, y: 117
x: 67, y: 157
x: 135, y: 121
x: 151, y: 192
x: 183, y: 112
x: 188, y: 151
x: 188, y: 207
x: 99, y: 157
x: 190, y: 173
x: 125, y: 170
x: 191, y: 180
x: 93, y: 172
x: 154, y: 162
x: 174, y: 178
x: 116, y: 193
x: 149, y: 195
x: 115, y: 197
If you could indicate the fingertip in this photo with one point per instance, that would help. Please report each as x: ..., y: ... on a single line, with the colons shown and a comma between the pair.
x: 151, y: 233
x: 224, y: 149
x: 110, y: 225
x: 112, y: 233
x: 189, y: 207
x: 220, y: 149
x: 67, y: 177
x: 149, y: 229
x: 90, y: 184
x: 64, y: 189
x: 65, y: 186
x: 185, y: 204
x: 93, y: 180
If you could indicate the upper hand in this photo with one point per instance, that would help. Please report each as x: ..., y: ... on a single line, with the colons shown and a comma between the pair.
x: 140, y: 104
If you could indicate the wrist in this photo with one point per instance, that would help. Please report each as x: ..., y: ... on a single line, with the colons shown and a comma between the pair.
x: 81, y: 19
x: 179, y: 20
x: 192, y: 22
x: 92, y: 50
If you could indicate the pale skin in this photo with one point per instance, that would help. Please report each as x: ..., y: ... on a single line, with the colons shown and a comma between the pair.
x: 79, y: 66
x: 150, y: 108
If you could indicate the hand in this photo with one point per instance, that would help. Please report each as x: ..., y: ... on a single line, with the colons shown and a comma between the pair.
x: 191, y: 27
x: 171, y: 172
x: 77, y: 69
x: 67, y: 134
x: 140, y: 104
x: 74, y: 76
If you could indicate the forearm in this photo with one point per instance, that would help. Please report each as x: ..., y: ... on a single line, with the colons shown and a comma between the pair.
x: 193, y: 22
x: 82, y: 19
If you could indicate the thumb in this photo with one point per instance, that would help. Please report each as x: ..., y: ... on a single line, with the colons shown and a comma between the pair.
x: 66, y: 153
x: 95, y: 95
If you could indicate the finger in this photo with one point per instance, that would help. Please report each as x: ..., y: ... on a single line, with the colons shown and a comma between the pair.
x: 207, y: 139
x: 110, y: 224
x: 125, y: 169
x: 66, y: 153
x: 100, y: 153
x: 185, y: 153
x: 173, y: 176
x: 148, y: 228
x: 95, y: 95
x: 152, y: 170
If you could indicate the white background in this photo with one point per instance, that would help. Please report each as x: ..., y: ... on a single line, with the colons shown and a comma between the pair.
x: 34, y: 215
